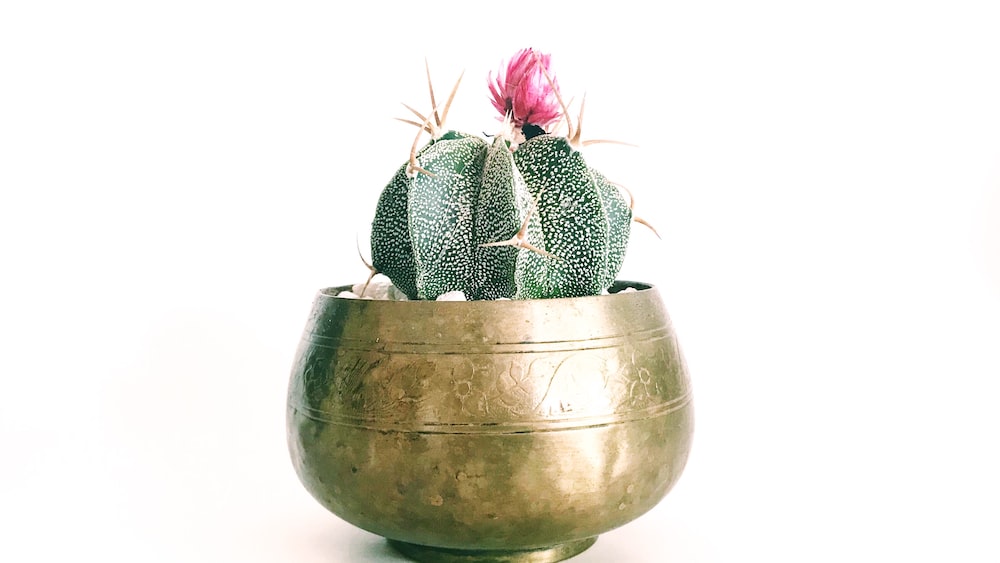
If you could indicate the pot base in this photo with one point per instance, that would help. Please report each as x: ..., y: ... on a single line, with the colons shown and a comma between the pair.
x: 430, y: 554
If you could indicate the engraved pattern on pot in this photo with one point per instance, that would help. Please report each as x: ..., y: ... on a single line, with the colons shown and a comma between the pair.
x: 443, y: 389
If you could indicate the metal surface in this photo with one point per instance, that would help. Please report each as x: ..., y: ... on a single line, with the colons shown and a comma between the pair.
x: 490, y: 431
x: 540, y: 555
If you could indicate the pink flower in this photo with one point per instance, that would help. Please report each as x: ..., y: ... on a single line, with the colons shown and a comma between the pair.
x: 525, y: 92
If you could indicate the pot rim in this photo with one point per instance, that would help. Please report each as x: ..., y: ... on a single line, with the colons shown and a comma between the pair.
x: 615, y: 291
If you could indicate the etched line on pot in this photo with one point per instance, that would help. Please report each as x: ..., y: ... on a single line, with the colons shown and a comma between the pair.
x: 497, y: 427
x: 552, y: 379
x: 524, y: 347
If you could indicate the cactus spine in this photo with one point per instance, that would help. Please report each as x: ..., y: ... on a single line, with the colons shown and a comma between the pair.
x: 521, y: 217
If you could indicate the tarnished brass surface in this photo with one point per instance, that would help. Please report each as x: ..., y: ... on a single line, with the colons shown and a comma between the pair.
x: 479, y: 431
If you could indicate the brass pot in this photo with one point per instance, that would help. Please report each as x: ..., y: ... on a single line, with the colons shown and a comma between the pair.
x: 490, y: 431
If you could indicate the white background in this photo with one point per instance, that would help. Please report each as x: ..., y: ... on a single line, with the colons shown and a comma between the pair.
x: 179, y: 178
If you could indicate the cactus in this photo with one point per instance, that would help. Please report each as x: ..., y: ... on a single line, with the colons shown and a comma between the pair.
x: 522, y: 216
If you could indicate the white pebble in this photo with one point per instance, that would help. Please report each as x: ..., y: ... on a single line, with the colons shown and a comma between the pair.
x: 377, y: 288
x: 456, y: 295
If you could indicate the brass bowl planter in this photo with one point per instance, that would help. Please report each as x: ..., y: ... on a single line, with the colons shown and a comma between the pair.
x: 490, y: 431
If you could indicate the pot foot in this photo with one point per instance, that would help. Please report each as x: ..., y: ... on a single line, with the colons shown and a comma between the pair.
x: 430, y: 554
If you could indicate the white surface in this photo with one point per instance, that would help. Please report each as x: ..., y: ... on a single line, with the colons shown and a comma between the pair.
x: 178, y: 179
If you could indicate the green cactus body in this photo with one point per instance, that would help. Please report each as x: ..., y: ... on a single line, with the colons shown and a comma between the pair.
x: 429, y: 232
x: 502, y: 207
x: 619, y: 215
x: 422, y: 231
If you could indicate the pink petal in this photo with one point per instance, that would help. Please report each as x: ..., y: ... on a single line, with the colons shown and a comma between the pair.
x: 525, y: 91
